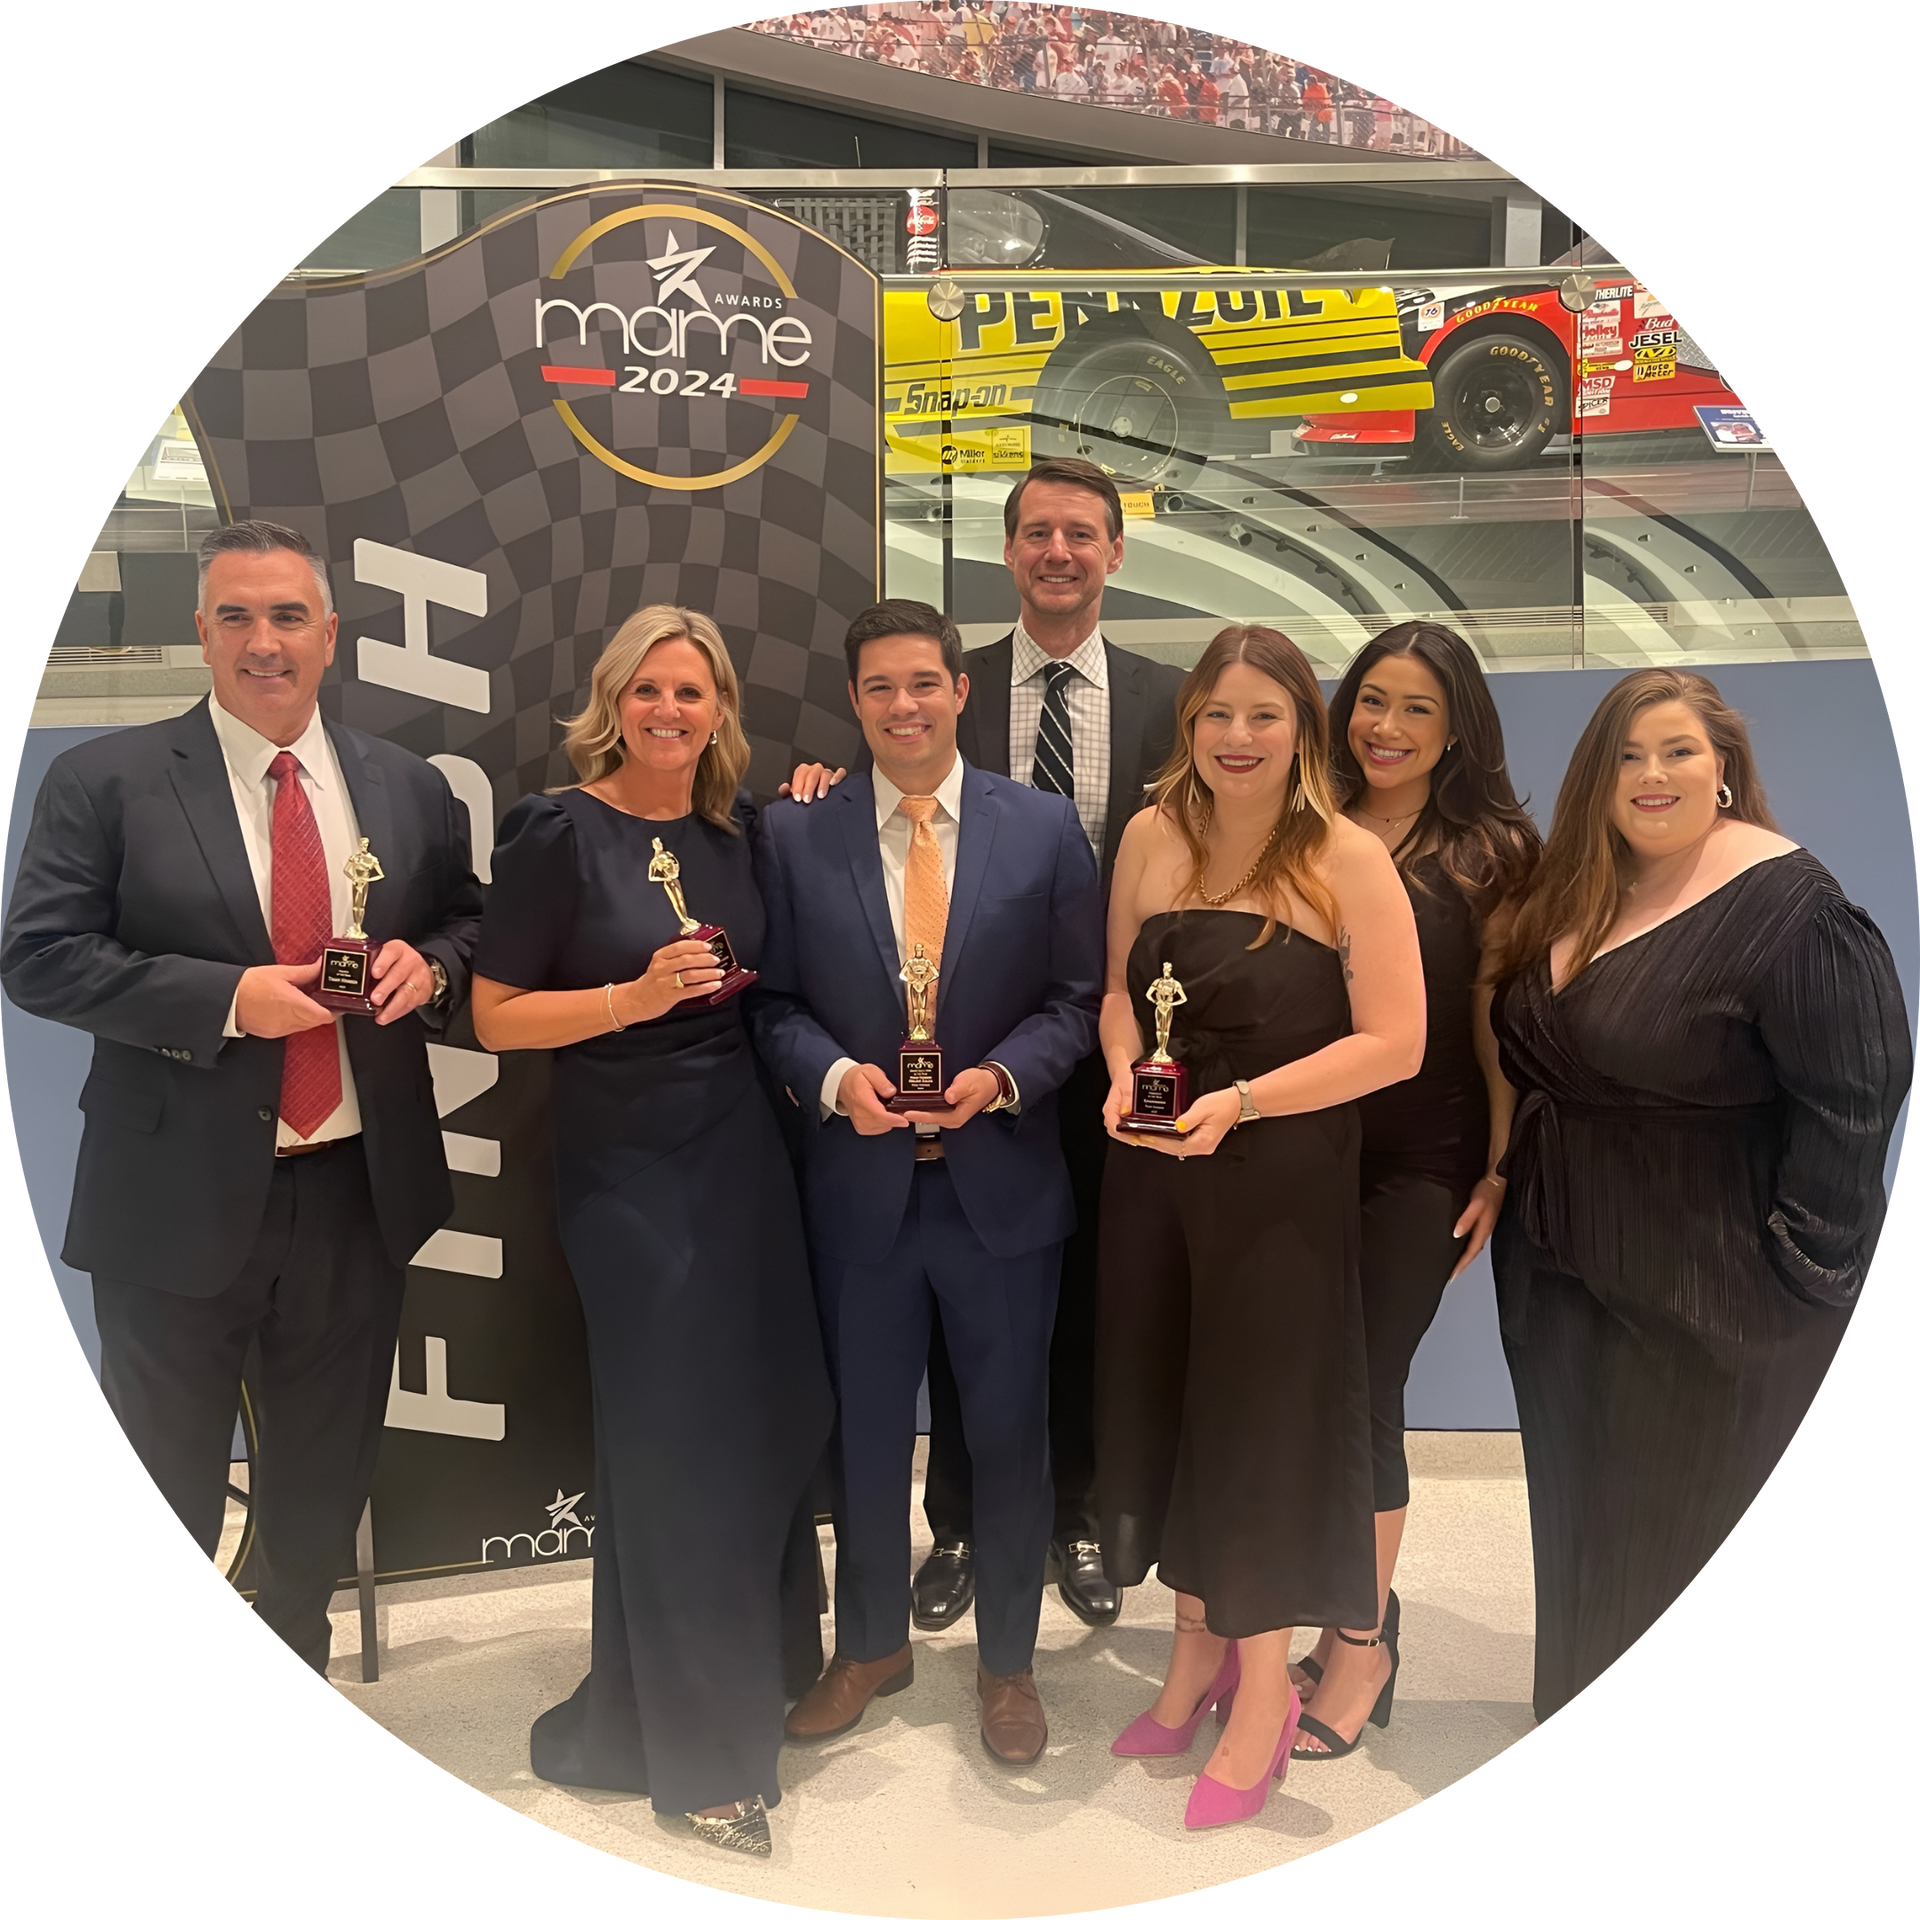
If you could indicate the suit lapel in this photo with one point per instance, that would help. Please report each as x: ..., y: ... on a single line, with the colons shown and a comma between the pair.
x: 1126, y: 734
x: 205, y: 791
x: 989, y: 709
x: 372, y: 811
x: 979, y: 816
x: 854, y: 798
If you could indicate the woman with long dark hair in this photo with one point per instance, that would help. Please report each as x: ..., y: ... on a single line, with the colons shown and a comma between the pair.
x: 1710, y: 1047
x: 1230, y: 1379
x: 1419, y: 761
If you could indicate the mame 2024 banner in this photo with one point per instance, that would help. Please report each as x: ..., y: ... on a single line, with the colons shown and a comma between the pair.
x: 612, y: 398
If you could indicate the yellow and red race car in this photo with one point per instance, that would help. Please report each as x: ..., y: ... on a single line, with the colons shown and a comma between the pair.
x: 1149, y: 375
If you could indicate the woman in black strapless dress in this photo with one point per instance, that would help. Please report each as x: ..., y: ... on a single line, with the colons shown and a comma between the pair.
x: 681, y: 1223
x: 1231, y: 1362
x: 1420, y: 761
x: 1711, y: 1049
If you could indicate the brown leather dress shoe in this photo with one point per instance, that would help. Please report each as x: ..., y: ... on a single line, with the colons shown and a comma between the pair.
x: 835, y: 1702
x: 1011, y: 1722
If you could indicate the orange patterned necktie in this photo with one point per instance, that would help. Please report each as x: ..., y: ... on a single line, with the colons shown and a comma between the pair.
x: 924, y: 912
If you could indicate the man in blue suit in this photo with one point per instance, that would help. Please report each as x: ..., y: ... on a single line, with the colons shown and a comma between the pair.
x: 967, y: 1205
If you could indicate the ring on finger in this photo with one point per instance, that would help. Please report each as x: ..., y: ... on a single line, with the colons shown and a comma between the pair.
x: 678, y: 982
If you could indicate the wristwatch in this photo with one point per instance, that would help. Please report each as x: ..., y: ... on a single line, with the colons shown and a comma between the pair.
x: 1005, y: 1097
x: 1248, y: 1111
x: 439, y: 981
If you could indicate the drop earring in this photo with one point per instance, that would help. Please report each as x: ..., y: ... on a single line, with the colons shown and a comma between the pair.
x: 1299, y: 791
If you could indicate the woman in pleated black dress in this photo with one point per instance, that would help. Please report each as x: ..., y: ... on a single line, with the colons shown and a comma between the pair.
x: 1419, y: 760
x: 1231, y: 1360
x: 680, y: 1221
x: 1710, y: 1048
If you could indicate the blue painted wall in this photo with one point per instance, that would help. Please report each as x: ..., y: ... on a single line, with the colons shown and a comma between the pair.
x: 1825, y: 747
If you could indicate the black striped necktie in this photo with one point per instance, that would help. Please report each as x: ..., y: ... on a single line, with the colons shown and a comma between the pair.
x: 1053, y: 745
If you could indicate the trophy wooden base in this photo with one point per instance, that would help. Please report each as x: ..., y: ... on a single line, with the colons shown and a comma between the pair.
x: 346, y: 975
x: 1159, y: 1098
x: 922, y: 1080
x: 734, y: 978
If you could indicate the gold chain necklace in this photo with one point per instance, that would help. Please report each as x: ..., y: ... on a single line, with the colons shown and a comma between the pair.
x: 1200, y: 880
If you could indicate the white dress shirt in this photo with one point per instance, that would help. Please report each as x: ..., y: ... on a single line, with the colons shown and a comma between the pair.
x: 896, y: 835
x: 248, y: 756
x: 1087, y: 709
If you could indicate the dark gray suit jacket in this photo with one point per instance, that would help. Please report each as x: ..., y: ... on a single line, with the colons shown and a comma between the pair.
x: 1142, y: 696
x: 134, y: 916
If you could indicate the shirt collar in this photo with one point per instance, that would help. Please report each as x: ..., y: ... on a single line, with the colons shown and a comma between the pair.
x: 1089, y: 657
x: 249, y: 754
x: 887, y: 797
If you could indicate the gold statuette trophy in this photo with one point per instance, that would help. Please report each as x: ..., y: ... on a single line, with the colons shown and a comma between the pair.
x: 1159, y: 1081
x: 346, y: 961
x: 734, y: 978
x: 922, y: 1082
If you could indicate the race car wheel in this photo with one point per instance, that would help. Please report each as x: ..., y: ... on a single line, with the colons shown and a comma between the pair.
x: 1143, y: 410
x: 1498, y: 402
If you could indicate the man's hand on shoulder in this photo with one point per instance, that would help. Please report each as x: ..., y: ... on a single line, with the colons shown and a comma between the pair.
x: 273, y: 1001
x: 811, y: 782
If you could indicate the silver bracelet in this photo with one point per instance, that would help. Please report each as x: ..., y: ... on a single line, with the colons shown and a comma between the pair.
x: 611, y: 1015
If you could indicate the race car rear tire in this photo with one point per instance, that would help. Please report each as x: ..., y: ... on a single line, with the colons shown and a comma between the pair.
x: 1144, y: 410
x: 1498, y: 401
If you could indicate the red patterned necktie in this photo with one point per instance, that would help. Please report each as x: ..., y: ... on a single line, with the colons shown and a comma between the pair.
x: 302, y: 925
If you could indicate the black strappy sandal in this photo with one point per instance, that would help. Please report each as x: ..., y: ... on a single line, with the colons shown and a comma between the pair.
x: 1389, y: 1631
x: 1382, y: 1710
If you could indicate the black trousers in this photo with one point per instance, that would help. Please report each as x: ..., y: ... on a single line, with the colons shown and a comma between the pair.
x: 1407, y: 1252
x: 948, y: 1500
x: 322, y: 1298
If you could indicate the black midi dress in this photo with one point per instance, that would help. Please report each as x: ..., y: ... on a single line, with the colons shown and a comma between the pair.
x: 1695, y: 1192
x: 681, y: 1224
x: 1231, y: 1374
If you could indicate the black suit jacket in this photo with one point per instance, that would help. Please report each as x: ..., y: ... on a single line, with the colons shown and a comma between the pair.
x: 134, y: 915
x: 1142, y: 698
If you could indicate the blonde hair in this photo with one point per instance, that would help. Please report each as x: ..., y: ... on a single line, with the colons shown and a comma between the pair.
x: 593, y: 741
x: 1293, y: 859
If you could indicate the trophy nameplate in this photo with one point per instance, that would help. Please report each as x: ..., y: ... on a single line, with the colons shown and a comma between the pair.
x: 922, y: 1081
x: 734, y: 978
x: 346, y: 961
x: 1159, y: 1080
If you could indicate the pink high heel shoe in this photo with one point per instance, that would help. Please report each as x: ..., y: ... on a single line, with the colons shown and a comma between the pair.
x: 1214, y: 1804
x: 1147, y: 1736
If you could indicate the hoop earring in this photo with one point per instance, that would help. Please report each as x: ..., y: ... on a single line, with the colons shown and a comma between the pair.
x: 713, y: 739
x: 1724, y: 795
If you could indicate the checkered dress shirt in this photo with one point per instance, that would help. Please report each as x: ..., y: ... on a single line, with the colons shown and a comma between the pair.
x: 1087, y: 708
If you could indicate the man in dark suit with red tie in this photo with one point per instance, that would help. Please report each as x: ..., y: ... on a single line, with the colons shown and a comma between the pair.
x: 1056, y: 706
x: 254, y: 1168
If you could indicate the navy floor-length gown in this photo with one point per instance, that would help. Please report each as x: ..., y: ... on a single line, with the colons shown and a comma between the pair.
x: 680, y: 1221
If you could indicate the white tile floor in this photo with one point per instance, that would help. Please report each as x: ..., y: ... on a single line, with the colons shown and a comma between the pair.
x: 908, y: 1815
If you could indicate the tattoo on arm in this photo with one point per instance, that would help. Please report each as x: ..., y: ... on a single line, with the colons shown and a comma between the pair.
x: 1344, y: 943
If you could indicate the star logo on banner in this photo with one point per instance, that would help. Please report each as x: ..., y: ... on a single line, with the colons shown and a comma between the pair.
x: 686, y: 262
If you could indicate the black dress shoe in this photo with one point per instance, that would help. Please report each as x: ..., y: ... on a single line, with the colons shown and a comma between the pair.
x: 943, y: 1588
x: 1082, y: 1581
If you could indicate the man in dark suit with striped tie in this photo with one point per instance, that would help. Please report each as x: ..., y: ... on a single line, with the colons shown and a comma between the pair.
x: 1057, y: 706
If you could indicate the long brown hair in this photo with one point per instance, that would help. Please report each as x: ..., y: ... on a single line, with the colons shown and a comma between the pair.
x: 1484, y: 839
x: 1581, y: 883
x: 1306, y: 830
x: 593, y: 739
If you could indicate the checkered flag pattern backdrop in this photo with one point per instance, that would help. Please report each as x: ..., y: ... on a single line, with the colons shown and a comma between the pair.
x: 413, y: 408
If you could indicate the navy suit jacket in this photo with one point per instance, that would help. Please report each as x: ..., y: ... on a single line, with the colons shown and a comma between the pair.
x: 1020, y: 980
x: 134, y: 915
